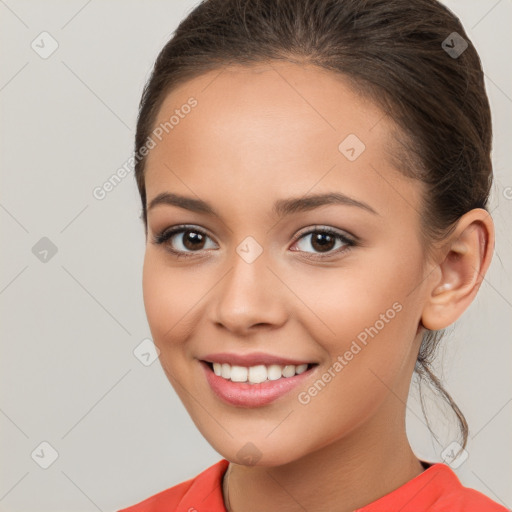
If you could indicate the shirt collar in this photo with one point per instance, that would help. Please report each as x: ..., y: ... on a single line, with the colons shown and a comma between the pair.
x: 419, y: 493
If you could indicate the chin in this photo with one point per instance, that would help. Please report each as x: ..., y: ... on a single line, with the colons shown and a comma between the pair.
x: 258, y: 452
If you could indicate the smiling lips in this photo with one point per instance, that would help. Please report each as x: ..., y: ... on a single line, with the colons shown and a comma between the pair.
x: 255, y: 379
x: 258, y: 373
x: 255, y: 367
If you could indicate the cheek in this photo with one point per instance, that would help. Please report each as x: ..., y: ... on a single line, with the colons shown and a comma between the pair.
x: 156, y: 294
x: 369, y: 361
x: 353, y: 302
x: 366, y: 321
x: 166, y: 297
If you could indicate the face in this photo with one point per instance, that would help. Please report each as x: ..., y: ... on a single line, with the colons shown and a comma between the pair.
x: 252, y: 276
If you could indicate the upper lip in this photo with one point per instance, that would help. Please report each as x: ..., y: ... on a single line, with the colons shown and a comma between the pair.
x: 251, y: 359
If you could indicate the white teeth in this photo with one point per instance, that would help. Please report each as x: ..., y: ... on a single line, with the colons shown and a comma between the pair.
x: 301, y: 368
x: 225, y: 370
x: 289, y: 370
x: 274, y: 372
x: 239, y: 374
x: 258, y: 373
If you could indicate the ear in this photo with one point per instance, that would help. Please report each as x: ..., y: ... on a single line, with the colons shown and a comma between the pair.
x: 464, y: 260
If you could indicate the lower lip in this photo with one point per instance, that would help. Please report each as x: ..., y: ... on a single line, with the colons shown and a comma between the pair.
x: 243, y: 394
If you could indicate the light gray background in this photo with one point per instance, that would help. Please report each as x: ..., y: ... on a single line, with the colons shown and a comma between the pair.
x: 70, y: 325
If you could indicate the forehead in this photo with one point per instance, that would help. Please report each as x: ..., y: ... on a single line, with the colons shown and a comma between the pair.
x: 279, y: 127
x: 279, y: 98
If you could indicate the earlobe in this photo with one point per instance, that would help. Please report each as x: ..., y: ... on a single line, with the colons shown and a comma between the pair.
x: 463, y: 263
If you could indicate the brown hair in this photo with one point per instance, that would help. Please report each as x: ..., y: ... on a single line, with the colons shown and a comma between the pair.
x: 392, y: 52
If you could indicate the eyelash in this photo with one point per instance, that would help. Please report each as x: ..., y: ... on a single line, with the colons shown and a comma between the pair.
x: 162, y: 237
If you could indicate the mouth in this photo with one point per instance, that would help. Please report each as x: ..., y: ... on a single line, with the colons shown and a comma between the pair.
x: 257, y: 374
x: 255, y: 386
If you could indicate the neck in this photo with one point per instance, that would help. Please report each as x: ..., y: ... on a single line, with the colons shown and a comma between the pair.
x: 342, y: 476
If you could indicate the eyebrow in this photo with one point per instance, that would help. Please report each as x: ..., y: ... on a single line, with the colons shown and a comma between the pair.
x: 281, y: 208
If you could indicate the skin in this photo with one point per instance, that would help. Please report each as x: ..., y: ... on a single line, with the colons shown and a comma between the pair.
x: 269, y: 132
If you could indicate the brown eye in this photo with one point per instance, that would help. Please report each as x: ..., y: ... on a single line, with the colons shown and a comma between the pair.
x: 193, y: 240
x: 323, y: 241
x: 182, y: 241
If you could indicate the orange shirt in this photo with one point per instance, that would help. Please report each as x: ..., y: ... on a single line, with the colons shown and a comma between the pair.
x: 437, y: 489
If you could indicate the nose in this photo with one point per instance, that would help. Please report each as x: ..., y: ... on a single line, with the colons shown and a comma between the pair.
x: 250, y: 297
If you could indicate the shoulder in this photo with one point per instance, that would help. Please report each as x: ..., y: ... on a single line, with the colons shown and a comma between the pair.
x: 468, y: 500
x: 203, y: 489
x: 164, y: 500
x: 437, y: 489
x: 458, y: 498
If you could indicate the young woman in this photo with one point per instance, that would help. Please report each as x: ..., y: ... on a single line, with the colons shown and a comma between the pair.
x: 314, y: 177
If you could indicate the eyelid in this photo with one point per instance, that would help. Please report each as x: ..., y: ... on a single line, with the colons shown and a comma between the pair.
x: 167, y: 233
x: 328, y: 229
